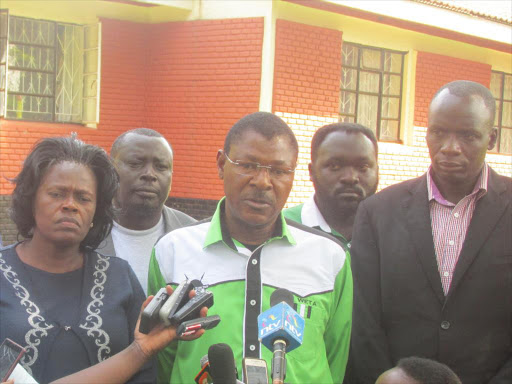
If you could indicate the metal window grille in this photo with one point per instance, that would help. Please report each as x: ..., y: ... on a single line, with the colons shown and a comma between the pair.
x: 371, y: 89
x: 43, y: 68
x: 501, y: 89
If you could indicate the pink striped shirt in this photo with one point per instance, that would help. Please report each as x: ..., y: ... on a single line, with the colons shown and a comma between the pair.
x: 450, y: 223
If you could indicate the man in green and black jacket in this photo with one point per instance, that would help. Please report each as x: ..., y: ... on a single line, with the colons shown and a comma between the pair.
x: 247, y: 250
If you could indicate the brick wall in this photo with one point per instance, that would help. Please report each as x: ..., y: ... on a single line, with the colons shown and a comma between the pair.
x: 306, y: 88
x: 204, y: 76
x: 7, y: 229
x: 433, y: 71
x: 197, y: 208
x: 191, y: 81
x: 122, y: 107
x: 397, y: 162
x: 124, y: 64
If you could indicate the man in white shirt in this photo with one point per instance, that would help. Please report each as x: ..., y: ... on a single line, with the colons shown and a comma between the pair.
x: 344, y: 172
x: 144, y: 160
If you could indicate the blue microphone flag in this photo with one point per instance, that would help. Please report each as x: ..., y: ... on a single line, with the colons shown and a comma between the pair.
x: 281, y: 322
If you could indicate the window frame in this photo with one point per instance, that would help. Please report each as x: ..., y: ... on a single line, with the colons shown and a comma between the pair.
x: 84, y: 118
x: 380, y: 95
x: 499, y: 111
x: 22, y: 69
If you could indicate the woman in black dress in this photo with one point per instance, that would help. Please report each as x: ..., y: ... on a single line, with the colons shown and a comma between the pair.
x: 67, y: 305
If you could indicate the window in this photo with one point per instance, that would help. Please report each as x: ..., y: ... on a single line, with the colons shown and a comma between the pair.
x: 501, y: 88
x: 48, y: 71
x: 371, y: 89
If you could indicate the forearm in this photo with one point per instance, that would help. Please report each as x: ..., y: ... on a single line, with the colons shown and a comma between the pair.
x: 116, y: 369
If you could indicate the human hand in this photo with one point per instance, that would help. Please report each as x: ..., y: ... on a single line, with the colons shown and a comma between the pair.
x: 160, y: 336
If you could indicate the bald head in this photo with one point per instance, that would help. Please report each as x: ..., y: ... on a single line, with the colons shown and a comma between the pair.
x: 138, y: 131
x: 468, y: 90
x: 396, y: 376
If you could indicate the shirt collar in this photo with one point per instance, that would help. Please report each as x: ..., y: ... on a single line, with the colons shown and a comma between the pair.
x: 312, y: 217
x: 218, y: 230
x: 435, y: 194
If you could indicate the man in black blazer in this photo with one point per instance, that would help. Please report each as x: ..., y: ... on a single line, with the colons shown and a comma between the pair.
x: 432, y: 257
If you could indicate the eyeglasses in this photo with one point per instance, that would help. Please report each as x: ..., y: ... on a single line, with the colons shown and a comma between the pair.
x: 247, y: 168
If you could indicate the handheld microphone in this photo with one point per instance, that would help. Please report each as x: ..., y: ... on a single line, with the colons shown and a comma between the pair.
x: 280, y: 329
x: 203, y: 377
x: 222, y: 364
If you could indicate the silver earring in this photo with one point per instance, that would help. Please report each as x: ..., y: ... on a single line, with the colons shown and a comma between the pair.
x: 92, y: 224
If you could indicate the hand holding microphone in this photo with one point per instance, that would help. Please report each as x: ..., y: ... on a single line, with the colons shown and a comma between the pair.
x: 152, y: 334
x: 184, y: 304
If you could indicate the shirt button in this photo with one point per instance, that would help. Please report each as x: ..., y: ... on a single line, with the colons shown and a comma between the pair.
x: 252, y: 347
x: 456, y: 214
x: 451, y: 242
x: 254, y: 261
x: 446, y: 274
x: 445, y: 324
x: 253, y: 302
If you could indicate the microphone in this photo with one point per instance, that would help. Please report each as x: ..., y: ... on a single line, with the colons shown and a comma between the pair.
x: 280, y: 329
x: 203, y: 377
x: 222, y: 364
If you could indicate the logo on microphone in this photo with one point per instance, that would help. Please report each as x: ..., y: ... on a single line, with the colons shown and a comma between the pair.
x: 281, y: 321
x: 290, y: 318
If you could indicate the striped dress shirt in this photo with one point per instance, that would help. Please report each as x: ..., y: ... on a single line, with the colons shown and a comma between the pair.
x: 450, y: 223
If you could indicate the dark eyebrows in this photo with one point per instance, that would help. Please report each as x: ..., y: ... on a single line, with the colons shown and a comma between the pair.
x: 64, y: 188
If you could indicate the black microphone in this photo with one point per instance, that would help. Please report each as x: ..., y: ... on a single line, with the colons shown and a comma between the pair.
x: 280, y: 295
x: 222, y: 364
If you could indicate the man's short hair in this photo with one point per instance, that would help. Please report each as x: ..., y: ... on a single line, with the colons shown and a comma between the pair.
x: 137, y: 131
x: 266, y: 124
x: 324, y: 131
x: 466, y: 88
x: 427, y: 371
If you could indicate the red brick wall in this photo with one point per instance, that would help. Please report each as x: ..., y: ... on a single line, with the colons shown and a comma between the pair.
x: 307, y: 69
x: 307, y: 74
x: 204, y: 76
x: 191, y: 81
x: 16, y: 140
x: 124, y: 64
x: 433, y: 71
x: 122, y: 104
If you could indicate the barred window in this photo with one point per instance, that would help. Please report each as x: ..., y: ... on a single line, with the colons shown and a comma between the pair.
x: 48, y: 71
x: 371, y: 89
x: 501, y: 88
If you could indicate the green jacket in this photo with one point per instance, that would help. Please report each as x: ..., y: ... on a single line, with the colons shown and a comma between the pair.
x: 305, y: 261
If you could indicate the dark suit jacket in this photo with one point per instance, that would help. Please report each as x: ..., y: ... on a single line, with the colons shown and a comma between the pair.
x: 399, y: 307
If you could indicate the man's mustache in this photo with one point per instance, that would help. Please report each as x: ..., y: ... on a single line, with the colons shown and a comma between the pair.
x: 260, y: 197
